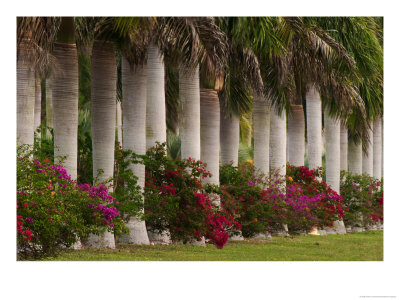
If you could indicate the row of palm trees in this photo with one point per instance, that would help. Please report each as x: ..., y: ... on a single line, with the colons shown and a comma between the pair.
x: 227, y: 67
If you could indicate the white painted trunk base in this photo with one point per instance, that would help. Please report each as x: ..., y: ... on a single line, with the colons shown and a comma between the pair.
x: 314, y: 128
x: 377, y: 149
x: 261, y: 133
x: 189, y: 94
x: 295, y: 136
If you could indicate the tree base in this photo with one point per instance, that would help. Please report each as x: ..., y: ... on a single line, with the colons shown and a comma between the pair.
x: 105, y: 240
x: 137, y: 233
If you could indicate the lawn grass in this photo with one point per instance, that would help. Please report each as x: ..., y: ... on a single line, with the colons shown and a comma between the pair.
x: 363, y: 246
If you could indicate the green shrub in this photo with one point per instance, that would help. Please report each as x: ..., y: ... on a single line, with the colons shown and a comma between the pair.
x: 363, y: 195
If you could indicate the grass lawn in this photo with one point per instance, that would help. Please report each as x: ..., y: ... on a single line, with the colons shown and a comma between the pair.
x: 363, y: 246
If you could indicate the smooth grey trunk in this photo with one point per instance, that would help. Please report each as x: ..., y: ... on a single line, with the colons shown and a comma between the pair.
x: 25, y: 99
x: 38, y: 103
x: 295, y: 136
x: 277, y: 144
x: 343, y: 147
x: 377, y: 149
x: 156, y: 130
x: 189, y: 94
x: 65, y: 107
x: 368, y: 159
x: 314, y: 128
x: 261, y: 133
x: 210, y: 134
x: 134, y: 91
x: 355, y: 158
x: 229, y: 137
x: 103, y: 94
x: 118, y: 122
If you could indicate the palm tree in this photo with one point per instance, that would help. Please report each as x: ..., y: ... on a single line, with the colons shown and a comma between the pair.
x: 34, y: 37
x: 368, y: 157
x: 156, y: 130
x: 332, y: 150
x: 295, y: 131
x: 189, y: 92
x: 278, y: 141
x: 261, y: 127
x: 38, y: 102
x: 209, y: 132
x: 65, y: 97
x: 229, y: 137
x: 103, y: 112
x: 355, y: 157
x: 118, y: 122
x: 314, y: 128
x: 134, y: 89
x: 377, y: 149
x: 343, y: 147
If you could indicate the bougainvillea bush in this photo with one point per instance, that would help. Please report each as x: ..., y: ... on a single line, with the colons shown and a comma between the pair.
x: 363, y: 195
x: 263, y: 204
x: 176, y: 200
x: 255, y: 201
x: 53, y: 212
x: 328, y: 205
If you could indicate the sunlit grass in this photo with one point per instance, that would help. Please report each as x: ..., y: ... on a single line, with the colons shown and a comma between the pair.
x: 364, y: 246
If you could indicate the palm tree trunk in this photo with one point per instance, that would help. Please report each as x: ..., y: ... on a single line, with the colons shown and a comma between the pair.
x: 118, y: 123
x: 332, y: 160
x: 229, y: 137
x: 314, y: 128
x: 332, y: 153
x: 189, y: 94
x: 355, y: 158
x: 343, y: 148
x: 277, y: 144
x: 104, y: 83
x: 25, y: 99
x: 38, y: 103
x: 49, y: 105
x: 261, y: 128
x: 377, y: 149
x: 65, y: 106
x: 156, y: 130
x: 368, y: 159
x: 134, y: 91
x: 295, y: 141
x: 210, y: 134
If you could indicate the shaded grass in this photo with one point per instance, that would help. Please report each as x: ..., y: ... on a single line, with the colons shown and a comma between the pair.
x: 363, y: 246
